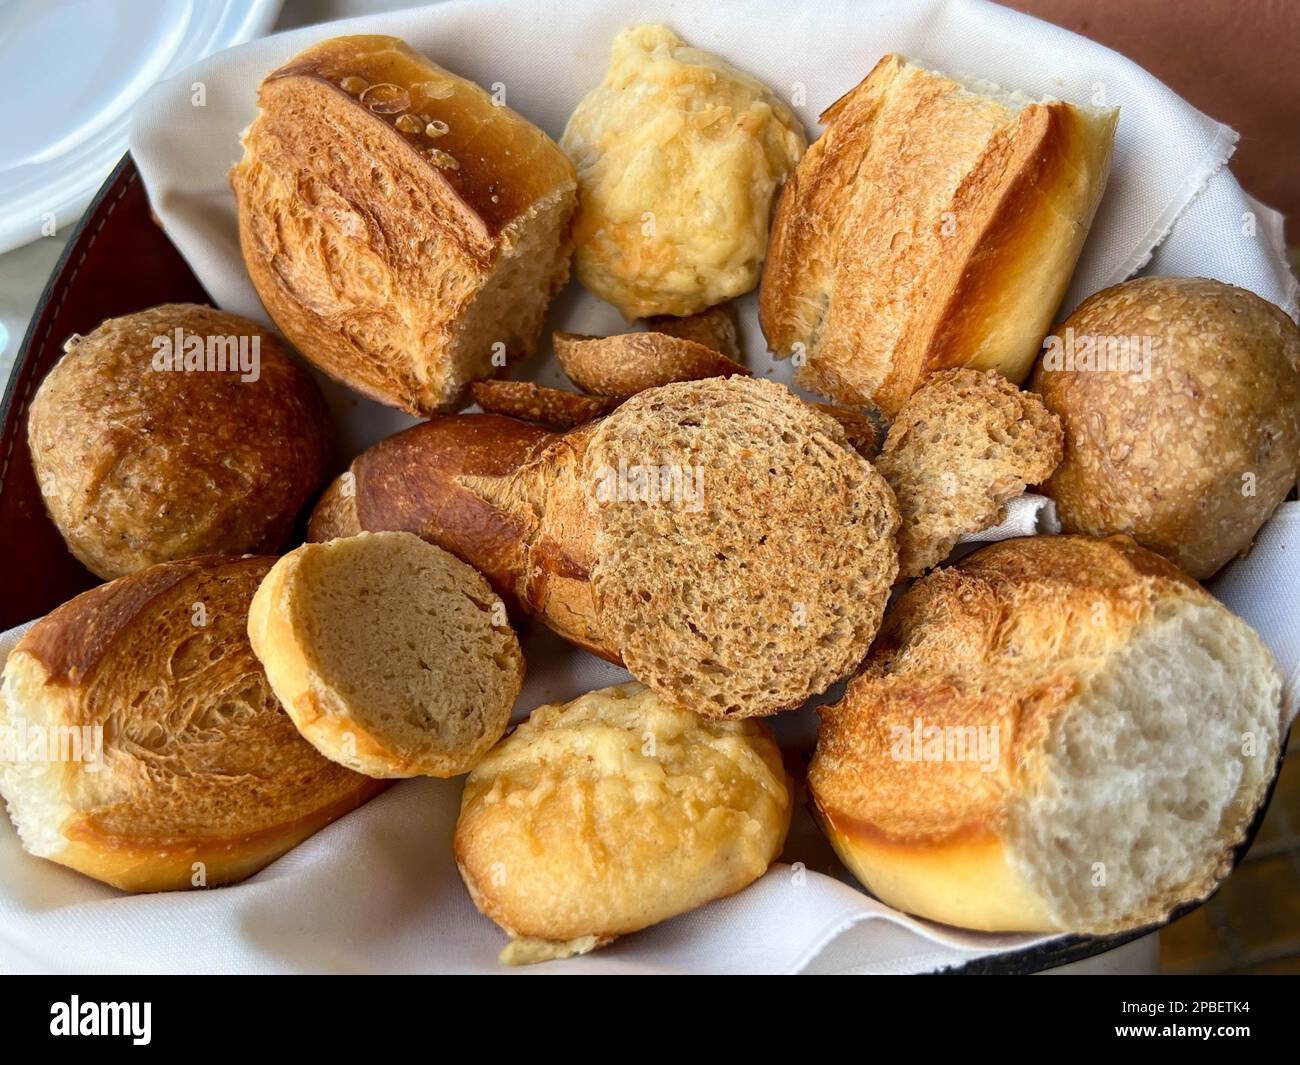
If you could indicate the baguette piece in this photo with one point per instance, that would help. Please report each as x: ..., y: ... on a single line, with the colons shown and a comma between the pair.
x: 629, y: 363
x: 721, y: 538
x: 1055, y: 734
x: 392, y: 657
x: 932, y: 225
x: 532, y: 402
x: 401, y: 229
x: 964, y: 445
x: 615, y: 811
x: 200, y: 777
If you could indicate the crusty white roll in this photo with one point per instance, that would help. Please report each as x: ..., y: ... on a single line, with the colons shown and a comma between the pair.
x: 607, y: 814
x: 393, y: 657
x: 1180, y: 398
x: 933, y: 224
x: 169, y: 762
x: 402, y: 229
x: 1057, y: 734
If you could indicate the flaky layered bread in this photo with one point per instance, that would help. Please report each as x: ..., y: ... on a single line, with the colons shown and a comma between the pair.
x: 678, y: 156
x: 172, y: 432
x: 629, y: 363
x: 605, y: 815
x: 1181, y: 404
x: 963, y: 445
x: 532, y: 402
x: 393, y: 657
x: 171, y: 763
x: 931, y: 225
x: 404, y: 231
x: 722, y: 538
x: 1057, y: 734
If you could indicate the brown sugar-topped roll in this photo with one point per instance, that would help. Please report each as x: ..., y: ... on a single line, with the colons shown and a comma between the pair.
x: 173, y: 432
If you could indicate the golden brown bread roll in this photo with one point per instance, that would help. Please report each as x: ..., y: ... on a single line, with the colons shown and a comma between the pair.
x: 629, y: 363
x: 605, y: 815
x: 1181, y: 404
x: 146, y: 450
x: 200, y: 777
x: 931, y: 225
x: 402, y: 230
x: 679, y: 156
x: 392, y: 657
x: 721, y: 538
x: 1057, y: 734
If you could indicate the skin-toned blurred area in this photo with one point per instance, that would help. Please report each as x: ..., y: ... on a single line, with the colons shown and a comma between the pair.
x: 1234, y: 59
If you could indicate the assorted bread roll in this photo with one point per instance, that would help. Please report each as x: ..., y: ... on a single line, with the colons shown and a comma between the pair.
x: 639, y: 537
x: 1181, y: 403
x: 181, y: 770
x: 404, y: 231
x: 933, y: 224
x: 391, y: 656
x: 679, y: 156
x: 172, y: 432
x: 963, y: 445
x: 605, y: 815
x: 1053, y: 734
x: 1057, y: 734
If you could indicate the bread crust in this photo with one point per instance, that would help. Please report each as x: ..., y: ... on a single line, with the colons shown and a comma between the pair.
x: 553, y: 407
x: 1192, y: 454
x: 200, y: 763
x: 629, y: 363
x: 400, y: 228
x: 928, y: 227
x: 602, y: 816
x: 140, y: 463
x: 1012, y: 637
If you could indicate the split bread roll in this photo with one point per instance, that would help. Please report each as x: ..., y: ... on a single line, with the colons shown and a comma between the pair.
x: 391, y: 656
x: 1180, y: 398
x: 720, y: 538
x: 173, y: 432
x: 964, y: 445
x: 404, y: 231
x: 1057, y: 734
x: 196, y: 776
x: 608, y: 814
x: 679, y: 156
x: 933, y: 224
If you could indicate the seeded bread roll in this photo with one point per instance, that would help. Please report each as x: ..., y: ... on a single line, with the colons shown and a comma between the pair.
x: 402, y: 229
x: 678, y: 156
x: 172, y: 432
x: 1181, y: 404
x: 1056, y: 734
x: 722, y: 538
x: 932, y: 224
x: 963, y: 446
x: 393, y: 657
x: 201, y: 778
x: 605, y: 815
